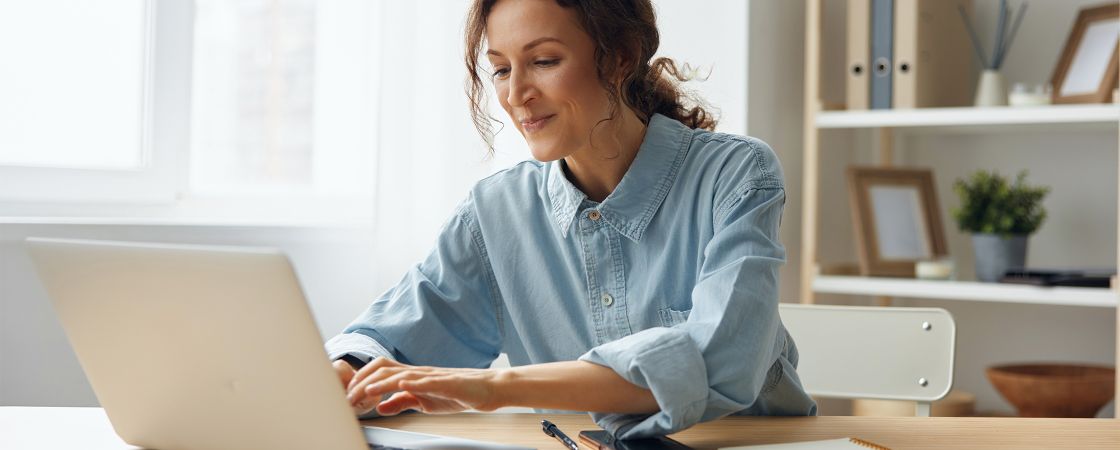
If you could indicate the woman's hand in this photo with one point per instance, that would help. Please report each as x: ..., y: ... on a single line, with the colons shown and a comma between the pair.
x: 566, y: 385
x: 433, y: 390
x: 344, y: 370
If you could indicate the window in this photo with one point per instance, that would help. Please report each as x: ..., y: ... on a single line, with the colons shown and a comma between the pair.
x: 77, y: 119
x: 281, y: 98
x: 187, y: 109
x: 52, y: 117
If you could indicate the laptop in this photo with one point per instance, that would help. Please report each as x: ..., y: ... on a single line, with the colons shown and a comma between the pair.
x: 195, y: 347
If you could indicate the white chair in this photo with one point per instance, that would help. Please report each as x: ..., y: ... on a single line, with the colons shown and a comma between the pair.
x: 888, y: 353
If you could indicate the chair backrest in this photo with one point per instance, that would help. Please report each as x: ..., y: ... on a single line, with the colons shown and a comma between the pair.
x: 889, y: 353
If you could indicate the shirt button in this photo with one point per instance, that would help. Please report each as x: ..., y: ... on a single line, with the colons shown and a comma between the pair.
x: 607, y: 300
x: 594, y: 215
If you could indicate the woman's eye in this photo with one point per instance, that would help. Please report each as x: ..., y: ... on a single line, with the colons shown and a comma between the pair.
x: 547, y: 62
x: 501, y: 72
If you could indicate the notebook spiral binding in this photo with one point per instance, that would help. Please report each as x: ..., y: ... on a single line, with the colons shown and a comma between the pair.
x: 868, y: 444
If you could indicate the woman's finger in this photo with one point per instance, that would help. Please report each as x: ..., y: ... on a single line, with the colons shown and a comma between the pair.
x: 369, y: 368
x: 344, y: 371
x: 357, y: 392
x: 361, y: 409
x: 397, y: 403
x: 391, y: 383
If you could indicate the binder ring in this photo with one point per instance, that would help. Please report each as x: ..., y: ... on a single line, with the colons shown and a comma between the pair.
x: 882, y: 67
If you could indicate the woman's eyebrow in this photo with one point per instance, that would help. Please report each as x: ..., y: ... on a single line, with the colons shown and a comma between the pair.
x: 530, y: 45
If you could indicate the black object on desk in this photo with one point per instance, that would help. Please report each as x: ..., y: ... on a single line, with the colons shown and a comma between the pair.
x: 551, y: 429
x: 1065, y: 277
x: 602, y: 440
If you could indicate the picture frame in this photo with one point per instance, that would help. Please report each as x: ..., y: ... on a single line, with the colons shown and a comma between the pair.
x: 1087, y: 69
x: 896, y: 219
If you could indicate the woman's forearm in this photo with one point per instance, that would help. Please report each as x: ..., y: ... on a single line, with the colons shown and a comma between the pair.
x: 574, y: 386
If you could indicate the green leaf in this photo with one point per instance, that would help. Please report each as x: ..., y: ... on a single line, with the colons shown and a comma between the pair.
x: 991, y: 204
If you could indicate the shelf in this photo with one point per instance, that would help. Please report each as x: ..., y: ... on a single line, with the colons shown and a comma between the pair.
x: 828, y: 129
x: 967, y: 291
x: 970, y: 117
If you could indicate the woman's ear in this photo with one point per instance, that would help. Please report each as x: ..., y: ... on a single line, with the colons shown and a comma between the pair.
x: 623, y: 66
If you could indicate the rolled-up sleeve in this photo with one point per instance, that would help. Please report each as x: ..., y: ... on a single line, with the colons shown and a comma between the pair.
x: 720, y: 360
x: 444, y: 312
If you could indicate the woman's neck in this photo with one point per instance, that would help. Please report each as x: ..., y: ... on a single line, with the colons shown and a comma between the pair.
x: 598, y: 169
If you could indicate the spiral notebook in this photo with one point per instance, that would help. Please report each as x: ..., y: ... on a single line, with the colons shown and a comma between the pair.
x: 828, y: 444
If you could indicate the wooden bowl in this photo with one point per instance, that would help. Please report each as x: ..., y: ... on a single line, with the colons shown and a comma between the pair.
x: 1054, y: 390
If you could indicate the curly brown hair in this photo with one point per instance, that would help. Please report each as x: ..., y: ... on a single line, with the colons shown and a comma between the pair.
x: 623, y: 31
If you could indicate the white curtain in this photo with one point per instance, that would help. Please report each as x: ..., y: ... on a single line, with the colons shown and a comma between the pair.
x: 429, y: 154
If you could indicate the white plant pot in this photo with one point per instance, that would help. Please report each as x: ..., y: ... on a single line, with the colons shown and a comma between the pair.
x: 991, y: 90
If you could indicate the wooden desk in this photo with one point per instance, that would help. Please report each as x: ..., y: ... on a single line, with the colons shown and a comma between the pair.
x: 89, y: 429
x: 894, y: 432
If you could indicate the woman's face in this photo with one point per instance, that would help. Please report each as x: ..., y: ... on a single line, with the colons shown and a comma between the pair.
x: 545, y: 75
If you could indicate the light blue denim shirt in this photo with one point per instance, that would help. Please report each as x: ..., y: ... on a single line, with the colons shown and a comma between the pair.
x: 672, y: 281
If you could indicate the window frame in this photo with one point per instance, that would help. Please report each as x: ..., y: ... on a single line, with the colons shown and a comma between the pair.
x: 160, y: 193
x: 166, y: 94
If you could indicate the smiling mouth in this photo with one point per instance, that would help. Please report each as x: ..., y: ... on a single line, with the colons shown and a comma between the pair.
x: 535, y: 124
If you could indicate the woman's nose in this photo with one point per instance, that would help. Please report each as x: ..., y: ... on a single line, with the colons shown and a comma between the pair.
x: 521, y: 89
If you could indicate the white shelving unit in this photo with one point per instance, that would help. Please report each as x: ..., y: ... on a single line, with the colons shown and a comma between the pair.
x: 939, y: 121
x: 970, y: 117
x: 945, y: 120
x: 964, y: 291
x: 978, y: 120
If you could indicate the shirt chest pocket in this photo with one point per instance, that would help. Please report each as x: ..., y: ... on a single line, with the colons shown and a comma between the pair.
x: 672, y: 317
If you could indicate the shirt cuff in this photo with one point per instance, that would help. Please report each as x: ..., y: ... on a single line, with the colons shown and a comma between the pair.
x: 359, y: 346
x: 667, y: 362
x: 356, y: 344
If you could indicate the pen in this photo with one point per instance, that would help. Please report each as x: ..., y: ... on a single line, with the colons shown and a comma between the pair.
x: 551, y: 429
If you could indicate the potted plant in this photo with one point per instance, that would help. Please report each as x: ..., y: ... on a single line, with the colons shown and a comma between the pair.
x: 1000, y: 216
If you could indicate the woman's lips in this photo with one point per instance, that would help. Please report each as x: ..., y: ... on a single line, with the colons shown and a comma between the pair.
x: 535, y: 124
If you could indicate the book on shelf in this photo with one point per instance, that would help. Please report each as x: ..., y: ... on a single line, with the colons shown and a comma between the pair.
x: 907, y: 54
x: 859, y: 53
x: 882, y: 53
x: 931, y: 53
x: 1098, y: 278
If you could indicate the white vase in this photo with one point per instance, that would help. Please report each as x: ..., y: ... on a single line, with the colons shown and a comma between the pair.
x: 991, y: 90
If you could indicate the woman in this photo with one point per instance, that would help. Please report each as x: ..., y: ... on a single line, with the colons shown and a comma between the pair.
x: 630, y: 271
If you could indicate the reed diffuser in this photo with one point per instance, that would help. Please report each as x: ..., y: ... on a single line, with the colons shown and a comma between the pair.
x: 992, y: 89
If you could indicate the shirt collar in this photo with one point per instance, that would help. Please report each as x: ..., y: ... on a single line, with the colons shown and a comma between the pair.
x: 636, y: 199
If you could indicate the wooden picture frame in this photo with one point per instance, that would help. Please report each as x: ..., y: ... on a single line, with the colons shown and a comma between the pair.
x: 1087, y: 69
x: 896, y: 218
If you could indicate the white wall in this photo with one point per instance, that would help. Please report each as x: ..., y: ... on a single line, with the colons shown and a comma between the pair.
x: 713, y: 37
